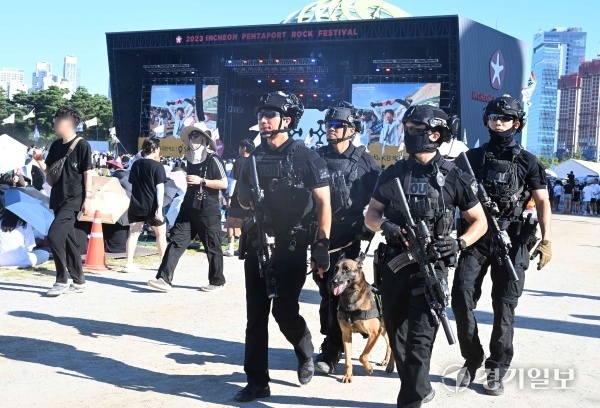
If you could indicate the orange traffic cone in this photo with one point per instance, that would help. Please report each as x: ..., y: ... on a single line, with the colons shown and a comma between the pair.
x: 95, y: 258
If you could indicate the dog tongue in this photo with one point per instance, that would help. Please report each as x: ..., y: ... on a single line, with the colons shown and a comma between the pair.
x: 339, y: 289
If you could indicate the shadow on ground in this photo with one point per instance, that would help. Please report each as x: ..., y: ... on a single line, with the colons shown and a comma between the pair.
x: 203, y: 387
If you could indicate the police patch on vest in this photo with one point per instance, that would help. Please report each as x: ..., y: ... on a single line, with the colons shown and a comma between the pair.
x: 323, y: 174
x: 474, y: 188
x: 500, y: 177
x: 270, y: 170
x: 417, y: 188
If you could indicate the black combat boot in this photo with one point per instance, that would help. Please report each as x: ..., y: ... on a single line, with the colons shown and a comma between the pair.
x: 466, y: 375
x: 494, y: 387
x: 250, y: 393
x: 328, y: 359
x: 306, y: 370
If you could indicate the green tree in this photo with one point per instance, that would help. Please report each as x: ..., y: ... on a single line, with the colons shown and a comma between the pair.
x: 548, y: 163
x: 578, y: 154
x: 46, y: 103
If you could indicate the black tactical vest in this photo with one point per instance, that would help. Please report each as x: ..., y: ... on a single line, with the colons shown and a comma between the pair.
x: 423, y: 194
x: 343, y: 172
x: 289, y: 201
x: 500, y: 180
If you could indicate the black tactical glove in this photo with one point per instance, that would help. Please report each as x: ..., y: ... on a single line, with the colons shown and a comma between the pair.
x: 446, y: 246
x: 393, y: 234
x: 319, y: 254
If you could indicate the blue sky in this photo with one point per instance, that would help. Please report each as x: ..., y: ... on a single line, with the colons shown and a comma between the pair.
x: 47, y: 31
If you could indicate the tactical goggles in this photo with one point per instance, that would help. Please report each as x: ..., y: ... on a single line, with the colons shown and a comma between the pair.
x: 268, y: 114
x: 502, y: 118
x: 415, y: 131
x: 335, y: 124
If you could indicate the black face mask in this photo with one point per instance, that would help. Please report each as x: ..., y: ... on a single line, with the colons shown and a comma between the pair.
x: 419, y: 143
x: 502, y: 139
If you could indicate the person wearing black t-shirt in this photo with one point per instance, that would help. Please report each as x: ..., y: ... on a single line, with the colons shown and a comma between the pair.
x: 235, y: 213
x: 200, y: 212
x: 511, y: 176
x: 67, y: 199
x: 147, y: 177
x: 434, y: 189
x: 576, y: 201
x: 295, y: 213
x: 568, y: 196
x: 352, y: 176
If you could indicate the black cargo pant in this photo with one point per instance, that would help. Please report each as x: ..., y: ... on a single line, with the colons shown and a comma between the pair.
x: 466, y: 291
x: 291, y: 276
x: 65, y: 250
x: 411, y: 329
x: 330, y: 326
x: 190, y: 222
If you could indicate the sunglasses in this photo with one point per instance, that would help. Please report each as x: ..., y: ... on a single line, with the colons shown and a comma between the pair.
x: 268, y: 114
x: 502, y: 118
x: 336, y: 125
x: 195, y: 135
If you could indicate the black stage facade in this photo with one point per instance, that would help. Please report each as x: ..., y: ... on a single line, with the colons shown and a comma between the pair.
x: 319, y: 61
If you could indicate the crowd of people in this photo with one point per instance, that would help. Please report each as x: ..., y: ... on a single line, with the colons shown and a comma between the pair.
x: 572, y: 196
x: 290, y: 201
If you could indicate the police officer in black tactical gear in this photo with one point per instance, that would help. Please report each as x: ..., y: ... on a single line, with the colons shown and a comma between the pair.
x: 434, y: 187
x: 296, y: 193
x: 352, y: 176
x: 510, y: 175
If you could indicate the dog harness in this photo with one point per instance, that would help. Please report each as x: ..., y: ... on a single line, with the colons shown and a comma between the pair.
x: 374, y: 312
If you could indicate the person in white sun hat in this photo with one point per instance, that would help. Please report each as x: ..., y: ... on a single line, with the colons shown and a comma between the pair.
x: 200, y: 212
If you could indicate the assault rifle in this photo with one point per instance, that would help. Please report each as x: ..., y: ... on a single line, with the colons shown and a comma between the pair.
x: 436, y: 291
x: 501, y: 243
x: 253, y: 229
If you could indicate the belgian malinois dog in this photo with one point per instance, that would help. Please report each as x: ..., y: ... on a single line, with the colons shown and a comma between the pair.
x: 358, y: 313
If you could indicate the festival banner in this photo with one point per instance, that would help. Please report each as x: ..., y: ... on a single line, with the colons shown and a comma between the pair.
x: 169, y: 147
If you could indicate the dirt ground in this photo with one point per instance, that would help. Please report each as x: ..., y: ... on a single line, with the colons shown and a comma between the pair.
x: 121, y: 344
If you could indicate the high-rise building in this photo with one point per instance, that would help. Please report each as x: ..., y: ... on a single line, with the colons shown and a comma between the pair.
x: 43, y: 78
x: 12, y: 80
x: 556, y: 52
x: 43, y: 67
x: 567, y: 136
x: 70, y: 72
x: 12, y: 75
x: 589, y: 120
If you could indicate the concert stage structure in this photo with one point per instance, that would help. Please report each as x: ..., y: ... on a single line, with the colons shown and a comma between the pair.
x: 161, y: 80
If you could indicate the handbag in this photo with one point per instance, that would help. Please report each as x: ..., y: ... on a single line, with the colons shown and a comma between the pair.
x: 55, y: 171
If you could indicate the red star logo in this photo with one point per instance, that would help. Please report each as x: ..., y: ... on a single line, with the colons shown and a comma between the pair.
x: 178, y: 39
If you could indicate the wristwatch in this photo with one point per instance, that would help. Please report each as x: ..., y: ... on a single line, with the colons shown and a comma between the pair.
x: 203, y: 183
x: 462, y: 244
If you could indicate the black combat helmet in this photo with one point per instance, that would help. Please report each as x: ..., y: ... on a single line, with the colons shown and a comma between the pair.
x: 505, y: 105
x: 286, y: 103
x: 345, y: 112
x: 433, y: 117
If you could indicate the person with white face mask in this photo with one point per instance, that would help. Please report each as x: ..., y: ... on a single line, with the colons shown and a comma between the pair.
x: 200, y: 212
